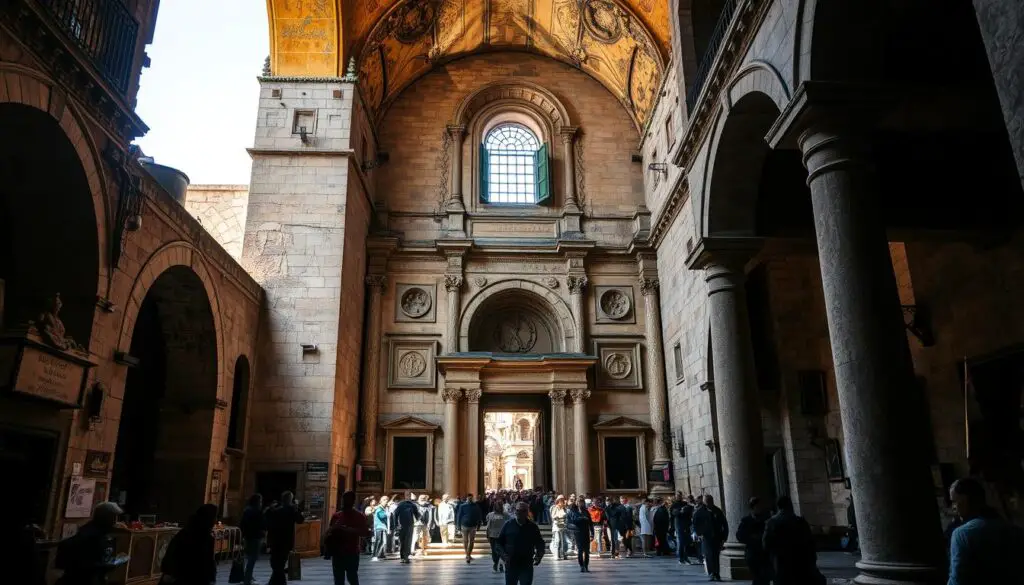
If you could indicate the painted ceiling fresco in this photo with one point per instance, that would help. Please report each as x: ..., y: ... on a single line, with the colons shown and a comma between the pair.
x: 621, y: 43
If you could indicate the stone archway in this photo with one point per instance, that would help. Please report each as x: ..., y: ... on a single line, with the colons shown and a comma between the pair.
x: 546, y: 308
x: 166, y: 434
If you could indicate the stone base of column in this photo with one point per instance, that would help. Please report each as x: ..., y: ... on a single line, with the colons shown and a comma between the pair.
x: 879, y: 573
x: 733, y: 565
x: 660, y: 488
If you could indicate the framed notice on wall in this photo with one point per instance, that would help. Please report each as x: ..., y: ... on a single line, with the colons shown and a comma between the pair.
x: 81, y: 493
x: 216, y: 477
x: 97, y: 463
x: 317, y: 471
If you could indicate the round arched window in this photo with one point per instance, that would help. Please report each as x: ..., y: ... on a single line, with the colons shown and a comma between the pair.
x: 514, y: 166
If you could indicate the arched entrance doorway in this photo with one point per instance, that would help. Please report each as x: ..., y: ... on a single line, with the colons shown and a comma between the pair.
x: 167, y: 418
x: 48, y: 245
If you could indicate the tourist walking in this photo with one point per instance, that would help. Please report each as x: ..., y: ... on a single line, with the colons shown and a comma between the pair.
x: 495, y: 522
x: 446, y: 519
x: 584, y: 529
x: 789, y: 543
x: 405, y: 514
x: 381, y: 530
x: 683, y: 518
x: 660, y: 521
x: 646, y: 527
x: 253, y: 526
x: 281, y: 523
x: 521, y: 547
x: 189, y: 559
x: 469, y: 520
x: 751, y: 534
x: 347, y: 527
x: 711, y: 526
x: 558, y: 528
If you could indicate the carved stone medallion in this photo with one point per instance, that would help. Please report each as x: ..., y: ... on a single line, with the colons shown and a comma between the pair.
x: 516, y: 334
x: 551, y: 282
x: 603, y: 20
x: 413, y: 20
x: 480, y: 281
x: 615, y: 304
x: 416, y: 302
x: 618, y: 366
x: 411, y: 365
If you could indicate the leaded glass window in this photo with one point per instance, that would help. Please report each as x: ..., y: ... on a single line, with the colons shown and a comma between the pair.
x: 511, y: 173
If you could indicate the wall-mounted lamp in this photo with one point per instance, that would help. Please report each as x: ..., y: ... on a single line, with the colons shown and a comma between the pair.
x: 710, y: 444
x: 658, y: 167
x: 125, y: 359
x: 310, y: 348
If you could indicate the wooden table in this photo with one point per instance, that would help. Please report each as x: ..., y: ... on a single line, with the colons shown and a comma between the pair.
x: 146, y: 547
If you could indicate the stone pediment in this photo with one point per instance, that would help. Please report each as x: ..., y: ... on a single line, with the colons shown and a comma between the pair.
x: 410, y: 423
x: 622, y: 423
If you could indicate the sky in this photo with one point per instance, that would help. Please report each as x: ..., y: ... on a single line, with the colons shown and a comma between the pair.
x: 199, y: 96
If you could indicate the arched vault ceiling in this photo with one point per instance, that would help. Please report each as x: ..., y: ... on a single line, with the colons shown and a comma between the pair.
x: 621, y: 43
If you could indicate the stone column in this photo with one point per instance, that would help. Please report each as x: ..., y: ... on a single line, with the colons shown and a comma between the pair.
x: 473, y: 445
x: 655, y: 369
x: 453, y: 284
x: 558, y: 456
x: 897, y: 520
x: 581, y: 464
x: 371, y: 379
x: 451, y: 398
x: 577, y: 286
x: 568, y: 135
x: 456, y: 206
x: 738, y: 413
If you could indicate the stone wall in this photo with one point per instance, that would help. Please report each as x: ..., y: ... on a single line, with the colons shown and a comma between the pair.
x: 660, y: 140
x: 221, y: 210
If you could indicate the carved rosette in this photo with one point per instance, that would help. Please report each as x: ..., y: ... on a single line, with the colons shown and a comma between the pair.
x: 579, y: 395
x: 576, y: 284
x: 452, y: 282
x: 551, y: 282
x: 377, y: 281
x: 557, y: 397
x: 473, y: 395
x: 649, y: 286
x: 451, y: 395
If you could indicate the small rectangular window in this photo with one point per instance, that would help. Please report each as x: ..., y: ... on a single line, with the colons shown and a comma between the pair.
x: 677, y: 358
x: 304, y: 122
x: 409, y: 465
x: 621, y: 463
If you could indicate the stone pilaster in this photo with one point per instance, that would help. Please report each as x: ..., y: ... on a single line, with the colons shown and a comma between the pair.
x: 451, y: 397
x: 473, y: 439
x: 453, y: 286
x: 456, y: 206
x: 577, y: 285
x: 558, y: 446
x: 656, y: 393
x: 571, y: 208
x: 900, y: 537
x: 371, y: 379
x: 581, y: 465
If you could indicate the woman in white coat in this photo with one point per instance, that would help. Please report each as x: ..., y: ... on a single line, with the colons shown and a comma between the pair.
x: 645, y: 517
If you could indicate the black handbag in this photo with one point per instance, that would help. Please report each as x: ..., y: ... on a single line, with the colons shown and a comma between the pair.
x: 237, y: 574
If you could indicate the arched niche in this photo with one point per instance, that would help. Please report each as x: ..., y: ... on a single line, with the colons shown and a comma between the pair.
x: 515, y: 322
x: 550, y: 311
x: 239, y: 404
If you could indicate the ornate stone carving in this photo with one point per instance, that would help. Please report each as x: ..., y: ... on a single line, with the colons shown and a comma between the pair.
x: 416, y: 302
x: 576, y: 284
x: 451, y: 394
x: 649, y: 286
x: 517, y: 333
x: 480, y: 281
x: 413, y: 19
x: 49, y: 326
x: 603, y: 20
x: 618, y: 366
x: 557, y: 396
x: 452, y: 282
x: 615, y: 304
x: 473, y: 395
x: 579, y: 395
x: 551, y: 282
x: 444, y: 163
x: 411, y: 365
x: 376, y: 281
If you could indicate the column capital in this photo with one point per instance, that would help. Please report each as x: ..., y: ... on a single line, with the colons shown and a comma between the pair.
x: 731, y: 252
x: 376, y: 281
x: 579, y: 395
x: 453, y: 282
x: 557, y: 397
x: 450, y: 395
x: 456, y: 131
x: 576, y: 283
x: 567, y: 133
x: 833, y: 104
x: 649, y: 286
x: 473, y: 395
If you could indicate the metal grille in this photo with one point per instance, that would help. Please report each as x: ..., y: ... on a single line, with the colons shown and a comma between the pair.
x: 511, y: 173
x: 708, y: 59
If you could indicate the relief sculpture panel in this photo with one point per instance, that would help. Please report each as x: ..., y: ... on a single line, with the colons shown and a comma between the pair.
x: 619, y: 366
x: 410, y: 363
x: 414, y: 303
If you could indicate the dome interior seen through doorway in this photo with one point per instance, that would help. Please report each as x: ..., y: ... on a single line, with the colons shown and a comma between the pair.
x: 621, y: 43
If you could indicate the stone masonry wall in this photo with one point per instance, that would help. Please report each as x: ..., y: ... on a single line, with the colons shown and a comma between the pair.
x: 221, y: 210
x: 660, y: 140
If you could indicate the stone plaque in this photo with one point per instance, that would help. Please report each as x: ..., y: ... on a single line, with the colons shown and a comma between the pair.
x: 415, y: 303
x: 44, y: 373
x: 614, y: 304
x: 411, y: 363
x: 618, y: 366
x: 514, y: 229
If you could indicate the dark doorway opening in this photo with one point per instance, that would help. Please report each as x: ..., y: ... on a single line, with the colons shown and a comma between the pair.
x: 410, y: 466
x: 621, y: 461
x: 27, y: 459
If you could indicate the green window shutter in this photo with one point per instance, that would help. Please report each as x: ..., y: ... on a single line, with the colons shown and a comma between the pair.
x: 485, y: 172
x: 542, y: 174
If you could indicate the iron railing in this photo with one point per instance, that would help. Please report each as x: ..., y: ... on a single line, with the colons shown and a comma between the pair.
x: 708, y: 59
x: 104, y: 29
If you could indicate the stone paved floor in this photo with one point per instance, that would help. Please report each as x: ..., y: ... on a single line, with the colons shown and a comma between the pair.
x: 656, y: 571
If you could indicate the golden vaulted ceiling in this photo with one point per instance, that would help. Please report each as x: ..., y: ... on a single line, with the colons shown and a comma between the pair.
x: 621, y: 43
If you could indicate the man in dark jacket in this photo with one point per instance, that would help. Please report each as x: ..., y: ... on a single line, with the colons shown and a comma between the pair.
x: 521, y: 547
x: 661, y: 520
x: 751, y: 534
x: 711, y: 526
x: 683, y: 518
x: 405, y: 516
x: 87, y: 557
x: 253, y: 526
x: 468, y: 518
x: 789, y: 543
x: 281, y: 523
x: 612, y: 512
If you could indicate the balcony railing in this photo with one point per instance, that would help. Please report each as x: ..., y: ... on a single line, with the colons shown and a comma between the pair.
x: 104, y: 29
x: 714, y: 44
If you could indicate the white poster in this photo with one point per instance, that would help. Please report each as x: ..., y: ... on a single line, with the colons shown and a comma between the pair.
x: 80, y: 497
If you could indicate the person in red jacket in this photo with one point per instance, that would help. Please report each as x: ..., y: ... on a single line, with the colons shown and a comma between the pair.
x: 342, y: 540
